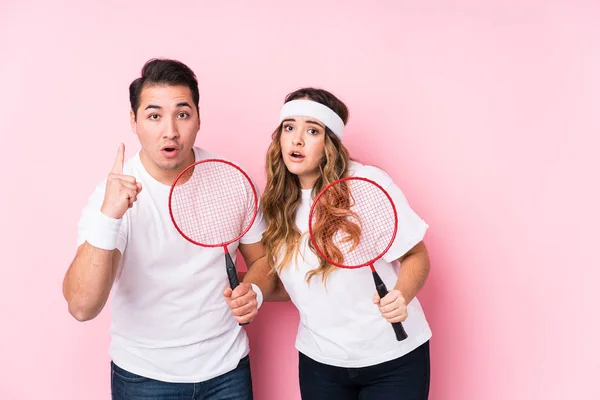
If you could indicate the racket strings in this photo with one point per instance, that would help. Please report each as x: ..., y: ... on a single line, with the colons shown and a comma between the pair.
x: 338, y: 221
x: 353, y: 222
x: 214, y: 205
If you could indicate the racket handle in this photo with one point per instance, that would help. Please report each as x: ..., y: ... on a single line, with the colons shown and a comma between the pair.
x: 232, y: 275
x: 382, y: 291
x: 231, y: 272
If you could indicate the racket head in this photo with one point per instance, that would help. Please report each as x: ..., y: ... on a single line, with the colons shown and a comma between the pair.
x: 352, y: 207
x: 213, y: 203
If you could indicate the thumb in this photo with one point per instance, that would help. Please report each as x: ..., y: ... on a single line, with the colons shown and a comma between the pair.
x: 227, y: 293
x: 240, y: 290
x: 376, y: 298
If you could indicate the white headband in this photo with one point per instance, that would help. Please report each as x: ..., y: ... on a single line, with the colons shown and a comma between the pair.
x: 309, y: 108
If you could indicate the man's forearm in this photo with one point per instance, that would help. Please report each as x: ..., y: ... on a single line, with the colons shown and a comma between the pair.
x: 88, y: 281
x: 259, y: 274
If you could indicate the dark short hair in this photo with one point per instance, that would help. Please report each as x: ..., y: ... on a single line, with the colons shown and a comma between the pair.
x: 163, y: 72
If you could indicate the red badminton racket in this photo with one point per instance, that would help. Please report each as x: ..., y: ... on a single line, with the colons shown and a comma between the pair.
x: 352, y: 223
x: 213, y: 203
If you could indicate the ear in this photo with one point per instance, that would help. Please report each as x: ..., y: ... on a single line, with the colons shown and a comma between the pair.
x: 133, y: 122
x: 199, y: 120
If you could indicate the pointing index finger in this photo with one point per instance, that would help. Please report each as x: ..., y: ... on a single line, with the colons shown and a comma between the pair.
x: 119, y: 161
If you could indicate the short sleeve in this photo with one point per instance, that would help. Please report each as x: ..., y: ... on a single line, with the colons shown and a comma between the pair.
x: 87, y: 218
x: 258, y: 227
x: 411, y: 228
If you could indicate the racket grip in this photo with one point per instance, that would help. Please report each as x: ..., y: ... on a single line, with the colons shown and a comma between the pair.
x: 382, y: 291
x: 232, y: 275
x: 231, y: 272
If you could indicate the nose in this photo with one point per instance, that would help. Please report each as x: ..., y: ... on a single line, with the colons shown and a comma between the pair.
x: 297, y: 139
x: 171, y: 131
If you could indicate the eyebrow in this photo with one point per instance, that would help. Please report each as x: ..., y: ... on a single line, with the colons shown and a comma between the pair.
x: 315, y: 123
x: 154, y: 106
x: 308, y: 122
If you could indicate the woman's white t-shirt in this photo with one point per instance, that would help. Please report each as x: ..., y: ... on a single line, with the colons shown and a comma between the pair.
x: 339, y: 324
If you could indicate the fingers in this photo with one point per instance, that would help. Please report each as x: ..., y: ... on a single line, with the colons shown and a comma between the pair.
x: 245, y: 319
x: 394, y: 312
x: 242, y: 302
x: 392, y: 306
x: 121, y: 190
x: 389, y: 298
x: 245, y: 309
x: 129, y: 194
x: 123, y: 178
x: 127, y: 184
x: 249, y: 297
x: 396, y: 317
x: 126, y: 181
x: 241, y: 290
x: 127, y: 187
x: 119, y: 161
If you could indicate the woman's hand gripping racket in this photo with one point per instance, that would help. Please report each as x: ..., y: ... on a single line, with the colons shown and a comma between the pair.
x: 213, y: 203
x: 352, y: 223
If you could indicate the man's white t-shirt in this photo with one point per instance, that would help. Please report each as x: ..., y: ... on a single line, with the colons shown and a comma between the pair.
x: 170, y: 321
x: 339, y: 324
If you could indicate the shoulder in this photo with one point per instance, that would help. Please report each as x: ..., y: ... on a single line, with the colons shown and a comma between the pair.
x: 203, y: 154
x: 371, y: 172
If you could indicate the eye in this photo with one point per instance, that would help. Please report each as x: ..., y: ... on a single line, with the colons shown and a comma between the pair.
x: 154, y: 117
x: 288, y: 128
x: 183, y: 115
x: 313, y: 131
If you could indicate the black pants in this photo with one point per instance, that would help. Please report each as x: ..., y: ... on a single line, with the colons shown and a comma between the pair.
x: 405, y: 378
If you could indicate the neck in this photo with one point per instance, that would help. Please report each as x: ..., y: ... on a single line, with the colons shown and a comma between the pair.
x: 165, y: 176
x: 307, y: 182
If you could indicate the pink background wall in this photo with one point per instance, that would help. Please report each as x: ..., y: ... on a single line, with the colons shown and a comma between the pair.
x: 485, y: 113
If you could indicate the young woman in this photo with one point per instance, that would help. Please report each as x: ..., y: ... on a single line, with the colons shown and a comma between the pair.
x: 347, y: 346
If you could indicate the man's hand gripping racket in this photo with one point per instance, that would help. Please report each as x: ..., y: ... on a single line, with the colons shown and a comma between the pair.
x: 213, y: 203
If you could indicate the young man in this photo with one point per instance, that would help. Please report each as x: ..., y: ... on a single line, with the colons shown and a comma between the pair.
x: 173, y: 334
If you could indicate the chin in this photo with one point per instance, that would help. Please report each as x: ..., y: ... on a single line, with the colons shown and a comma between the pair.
x: 293, y: 169
x: 169, y: 165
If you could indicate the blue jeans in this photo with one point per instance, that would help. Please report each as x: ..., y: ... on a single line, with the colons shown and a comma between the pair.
x: 234, y: 385
x: 405, y: 378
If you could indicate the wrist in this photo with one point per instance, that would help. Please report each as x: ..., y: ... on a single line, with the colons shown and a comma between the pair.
x: 259, y: 295
x: 103, y: 232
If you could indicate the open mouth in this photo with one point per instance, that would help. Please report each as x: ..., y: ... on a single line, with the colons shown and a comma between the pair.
x: 296, y: 155
x: 170, y: 151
